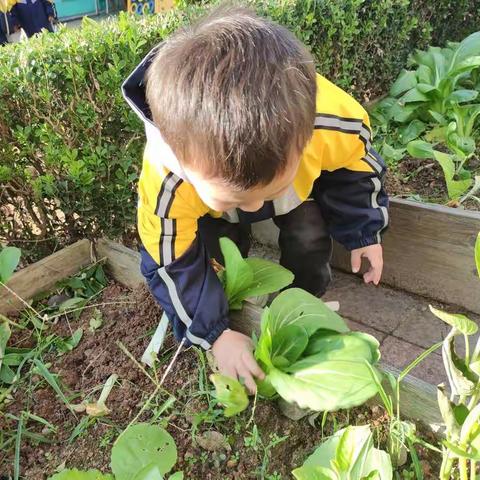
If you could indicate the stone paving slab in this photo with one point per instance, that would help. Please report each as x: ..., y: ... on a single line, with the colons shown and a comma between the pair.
x: 399, y: 353
x: 380, y: 336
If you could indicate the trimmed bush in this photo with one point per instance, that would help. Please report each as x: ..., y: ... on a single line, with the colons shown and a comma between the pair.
x: 70, y: 148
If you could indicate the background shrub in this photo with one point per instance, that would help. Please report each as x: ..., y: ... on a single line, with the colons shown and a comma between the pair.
x: 70, y: 149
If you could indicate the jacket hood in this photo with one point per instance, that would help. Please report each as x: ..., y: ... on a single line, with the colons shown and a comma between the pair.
x: 133, y: 90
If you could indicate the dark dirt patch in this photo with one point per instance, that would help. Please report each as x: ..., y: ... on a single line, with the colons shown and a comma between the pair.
x: 130, y: 317
x: 422, y: 179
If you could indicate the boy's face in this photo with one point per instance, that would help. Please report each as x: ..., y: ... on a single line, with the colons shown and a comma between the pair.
x: 220, y: 196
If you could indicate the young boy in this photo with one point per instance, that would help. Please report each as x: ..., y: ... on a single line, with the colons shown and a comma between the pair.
x: 239, y: 129
x: 33, y: 15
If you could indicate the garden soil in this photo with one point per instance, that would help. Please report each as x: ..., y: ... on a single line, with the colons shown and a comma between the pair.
x: 130, y: 317
x: 422, y: 180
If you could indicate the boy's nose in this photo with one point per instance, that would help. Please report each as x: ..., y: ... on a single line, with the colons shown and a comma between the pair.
x: 252, y: 206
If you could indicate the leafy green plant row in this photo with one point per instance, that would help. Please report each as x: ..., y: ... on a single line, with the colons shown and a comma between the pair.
x: 70, y: 147
x: 433, y: 112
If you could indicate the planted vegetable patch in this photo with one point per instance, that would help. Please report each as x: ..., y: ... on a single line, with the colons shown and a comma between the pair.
x: 432, y: 112
x: 258, y: 443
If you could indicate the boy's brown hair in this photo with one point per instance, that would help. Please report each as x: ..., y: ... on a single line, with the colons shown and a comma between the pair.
x: 234, y: 96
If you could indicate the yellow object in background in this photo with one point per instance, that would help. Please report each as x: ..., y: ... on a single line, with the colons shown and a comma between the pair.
x: 162, y: 5
x: 143, y: 7
x: 6, y: 5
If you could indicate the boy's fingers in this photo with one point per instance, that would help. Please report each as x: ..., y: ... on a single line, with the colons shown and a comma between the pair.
x: 228, y: 372
x: 374, y: 273
x: 356, y: 259
x: 369, y: 276
x: 252, y: 366
x: 248, y: 380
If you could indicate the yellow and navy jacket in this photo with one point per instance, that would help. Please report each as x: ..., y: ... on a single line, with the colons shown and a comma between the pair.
x: 32, y: 15
x: 339, y: 170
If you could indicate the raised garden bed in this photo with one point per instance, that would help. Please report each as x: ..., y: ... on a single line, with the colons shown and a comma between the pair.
x: 257, y: 448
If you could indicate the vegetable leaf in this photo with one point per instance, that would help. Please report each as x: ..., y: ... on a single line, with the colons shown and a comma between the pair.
x: 150, y: 472
x: 308, y: 472
x: 309, y: 356
x: 289, y: 342
x: 75, y: 474
x: 325, y: 385
x: 238, y: 275
x: 268, y: 277
x: 140, y: 446
x: 231, y: 393
x: 456, y: 320
x: 244, y: 278
x: 405, y: 81
x: 9, y: 258
x: 296, y: 306
x: 350, y: 453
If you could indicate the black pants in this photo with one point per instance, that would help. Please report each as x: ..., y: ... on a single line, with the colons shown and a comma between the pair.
x: 305, y: 244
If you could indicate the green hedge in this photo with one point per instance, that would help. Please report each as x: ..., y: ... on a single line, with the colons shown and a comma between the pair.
x: 70, y: 149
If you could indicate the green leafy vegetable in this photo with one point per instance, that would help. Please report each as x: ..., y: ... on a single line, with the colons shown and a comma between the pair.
x: 150, y: 472
x: 231, y: 393
x: 349, y: 453
x: 311, y: 358
x: 9, y: 258
x: 244, y: 278
x: 141, y: 452
x: 80, y: 475
x: 456, y: 320
x: 143, y: 445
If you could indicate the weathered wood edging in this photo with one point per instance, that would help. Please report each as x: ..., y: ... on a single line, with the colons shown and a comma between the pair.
x: 428, y: 250
x: 123, y: 264
x: 44, y: 274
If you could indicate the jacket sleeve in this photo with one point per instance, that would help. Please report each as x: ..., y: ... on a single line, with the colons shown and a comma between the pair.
x: 177, y: 267
x: 350, y: 191
x: 47, y: 4
x: 12, y: 19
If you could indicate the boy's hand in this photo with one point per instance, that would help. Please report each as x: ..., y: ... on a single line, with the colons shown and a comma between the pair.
x: 374, y: 254
x: 233, y: 353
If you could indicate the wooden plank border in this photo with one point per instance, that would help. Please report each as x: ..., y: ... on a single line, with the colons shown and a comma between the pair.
x: 44, y: 274
x: 428, y: 250
x: 123, y: 263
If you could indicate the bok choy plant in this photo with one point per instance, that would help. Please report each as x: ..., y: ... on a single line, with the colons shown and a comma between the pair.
x: 349, y: 454
x: 309, y: 357
x: 461, y: 409
x: 249, y: 277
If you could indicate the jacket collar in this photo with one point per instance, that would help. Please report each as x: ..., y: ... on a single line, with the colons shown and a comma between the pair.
x: 133, y: 90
